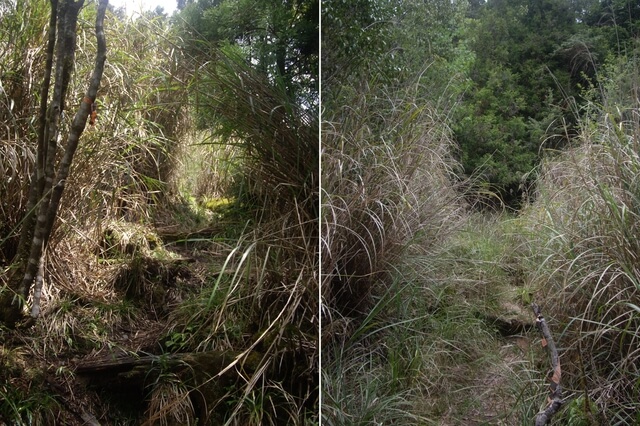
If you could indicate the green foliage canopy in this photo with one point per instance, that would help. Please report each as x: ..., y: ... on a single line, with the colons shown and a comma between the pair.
x: 279, y: 38
x: 533, y: 62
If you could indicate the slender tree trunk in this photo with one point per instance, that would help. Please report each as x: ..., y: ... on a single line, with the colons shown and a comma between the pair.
x: 37, y: 178
x: 47, y: 184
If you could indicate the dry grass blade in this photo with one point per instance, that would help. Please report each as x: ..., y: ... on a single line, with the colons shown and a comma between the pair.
x: 588, y: 208
x: 170, y: 403
x: 387, y: 179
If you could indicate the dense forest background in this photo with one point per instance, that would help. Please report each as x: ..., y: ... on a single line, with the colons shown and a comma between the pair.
x: 479, y: 156
x: 180, y: 278
x: 516, y: 75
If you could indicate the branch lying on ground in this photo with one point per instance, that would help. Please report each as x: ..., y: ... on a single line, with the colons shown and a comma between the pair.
x: 555, y: 392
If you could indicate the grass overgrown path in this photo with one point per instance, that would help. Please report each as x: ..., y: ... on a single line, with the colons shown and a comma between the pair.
x: 117, y: 345
x: 485, y: 325
x: 451, y: 341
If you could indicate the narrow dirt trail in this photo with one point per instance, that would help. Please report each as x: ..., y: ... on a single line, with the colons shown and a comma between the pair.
x: 493, y: 389
x: 483, y: 270
x: 154, y: 272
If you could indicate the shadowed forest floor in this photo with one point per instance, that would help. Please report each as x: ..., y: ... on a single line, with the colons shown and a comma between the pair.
x: 106, y: 349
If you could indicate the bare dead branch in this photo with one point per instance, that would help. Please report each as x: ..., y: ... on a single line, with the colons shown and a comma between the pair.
x: 555, y: 389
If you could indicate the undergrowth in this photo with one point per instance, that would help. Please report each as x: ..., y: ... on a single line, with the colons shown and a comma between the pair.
x: 445, y: 334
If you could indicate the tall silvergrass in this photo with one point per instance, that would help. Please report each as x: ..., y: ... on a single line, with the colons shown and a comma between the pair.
x: 265, y: 301
x: 125, y: 159
x: 243, y: 311
x: 585, y: 225
x: 277, y: 137
x: 22, y: 55
x: 387, y: 192
x: 387, y: 179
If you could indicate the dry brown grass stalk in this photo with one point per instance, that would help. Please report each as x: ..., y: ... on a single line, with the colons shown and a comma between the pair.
x: 587, y: 218
x: 388, y: 180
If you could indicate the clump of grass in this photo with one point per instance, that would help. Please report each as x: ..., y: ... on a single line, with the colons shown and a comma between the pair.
x: 388, y: 195
x: 587, y: 218
x: 367, y: 375
x: 23, y: 405
x: 388, y: 181
x: 251, y: 308
x: 170, y: 403
x: 273, y: 138
x: 126, y: 162
x: 24, y: 399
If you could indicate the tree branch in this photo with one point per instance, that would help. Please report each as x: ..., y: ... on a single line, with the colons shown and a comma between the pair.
x: 77, y: 127
x: 67, y: 15
x: 48, y: 184
x: 37, y: 177
x: 555, y: 391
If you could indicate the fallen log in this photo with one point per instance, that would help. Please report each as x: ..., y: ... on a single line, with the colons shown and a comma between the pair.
x: 129, y: 378
x: 179, y: 235
x: 208, y: 363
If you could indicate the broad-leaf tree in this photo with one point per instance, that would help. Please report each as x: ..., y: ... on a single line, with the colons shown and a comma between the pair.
x: 279, y: 38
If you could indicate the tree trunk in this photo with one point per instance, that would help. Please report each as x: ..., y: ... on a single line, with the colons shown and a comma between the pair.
x: 47, y: 183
